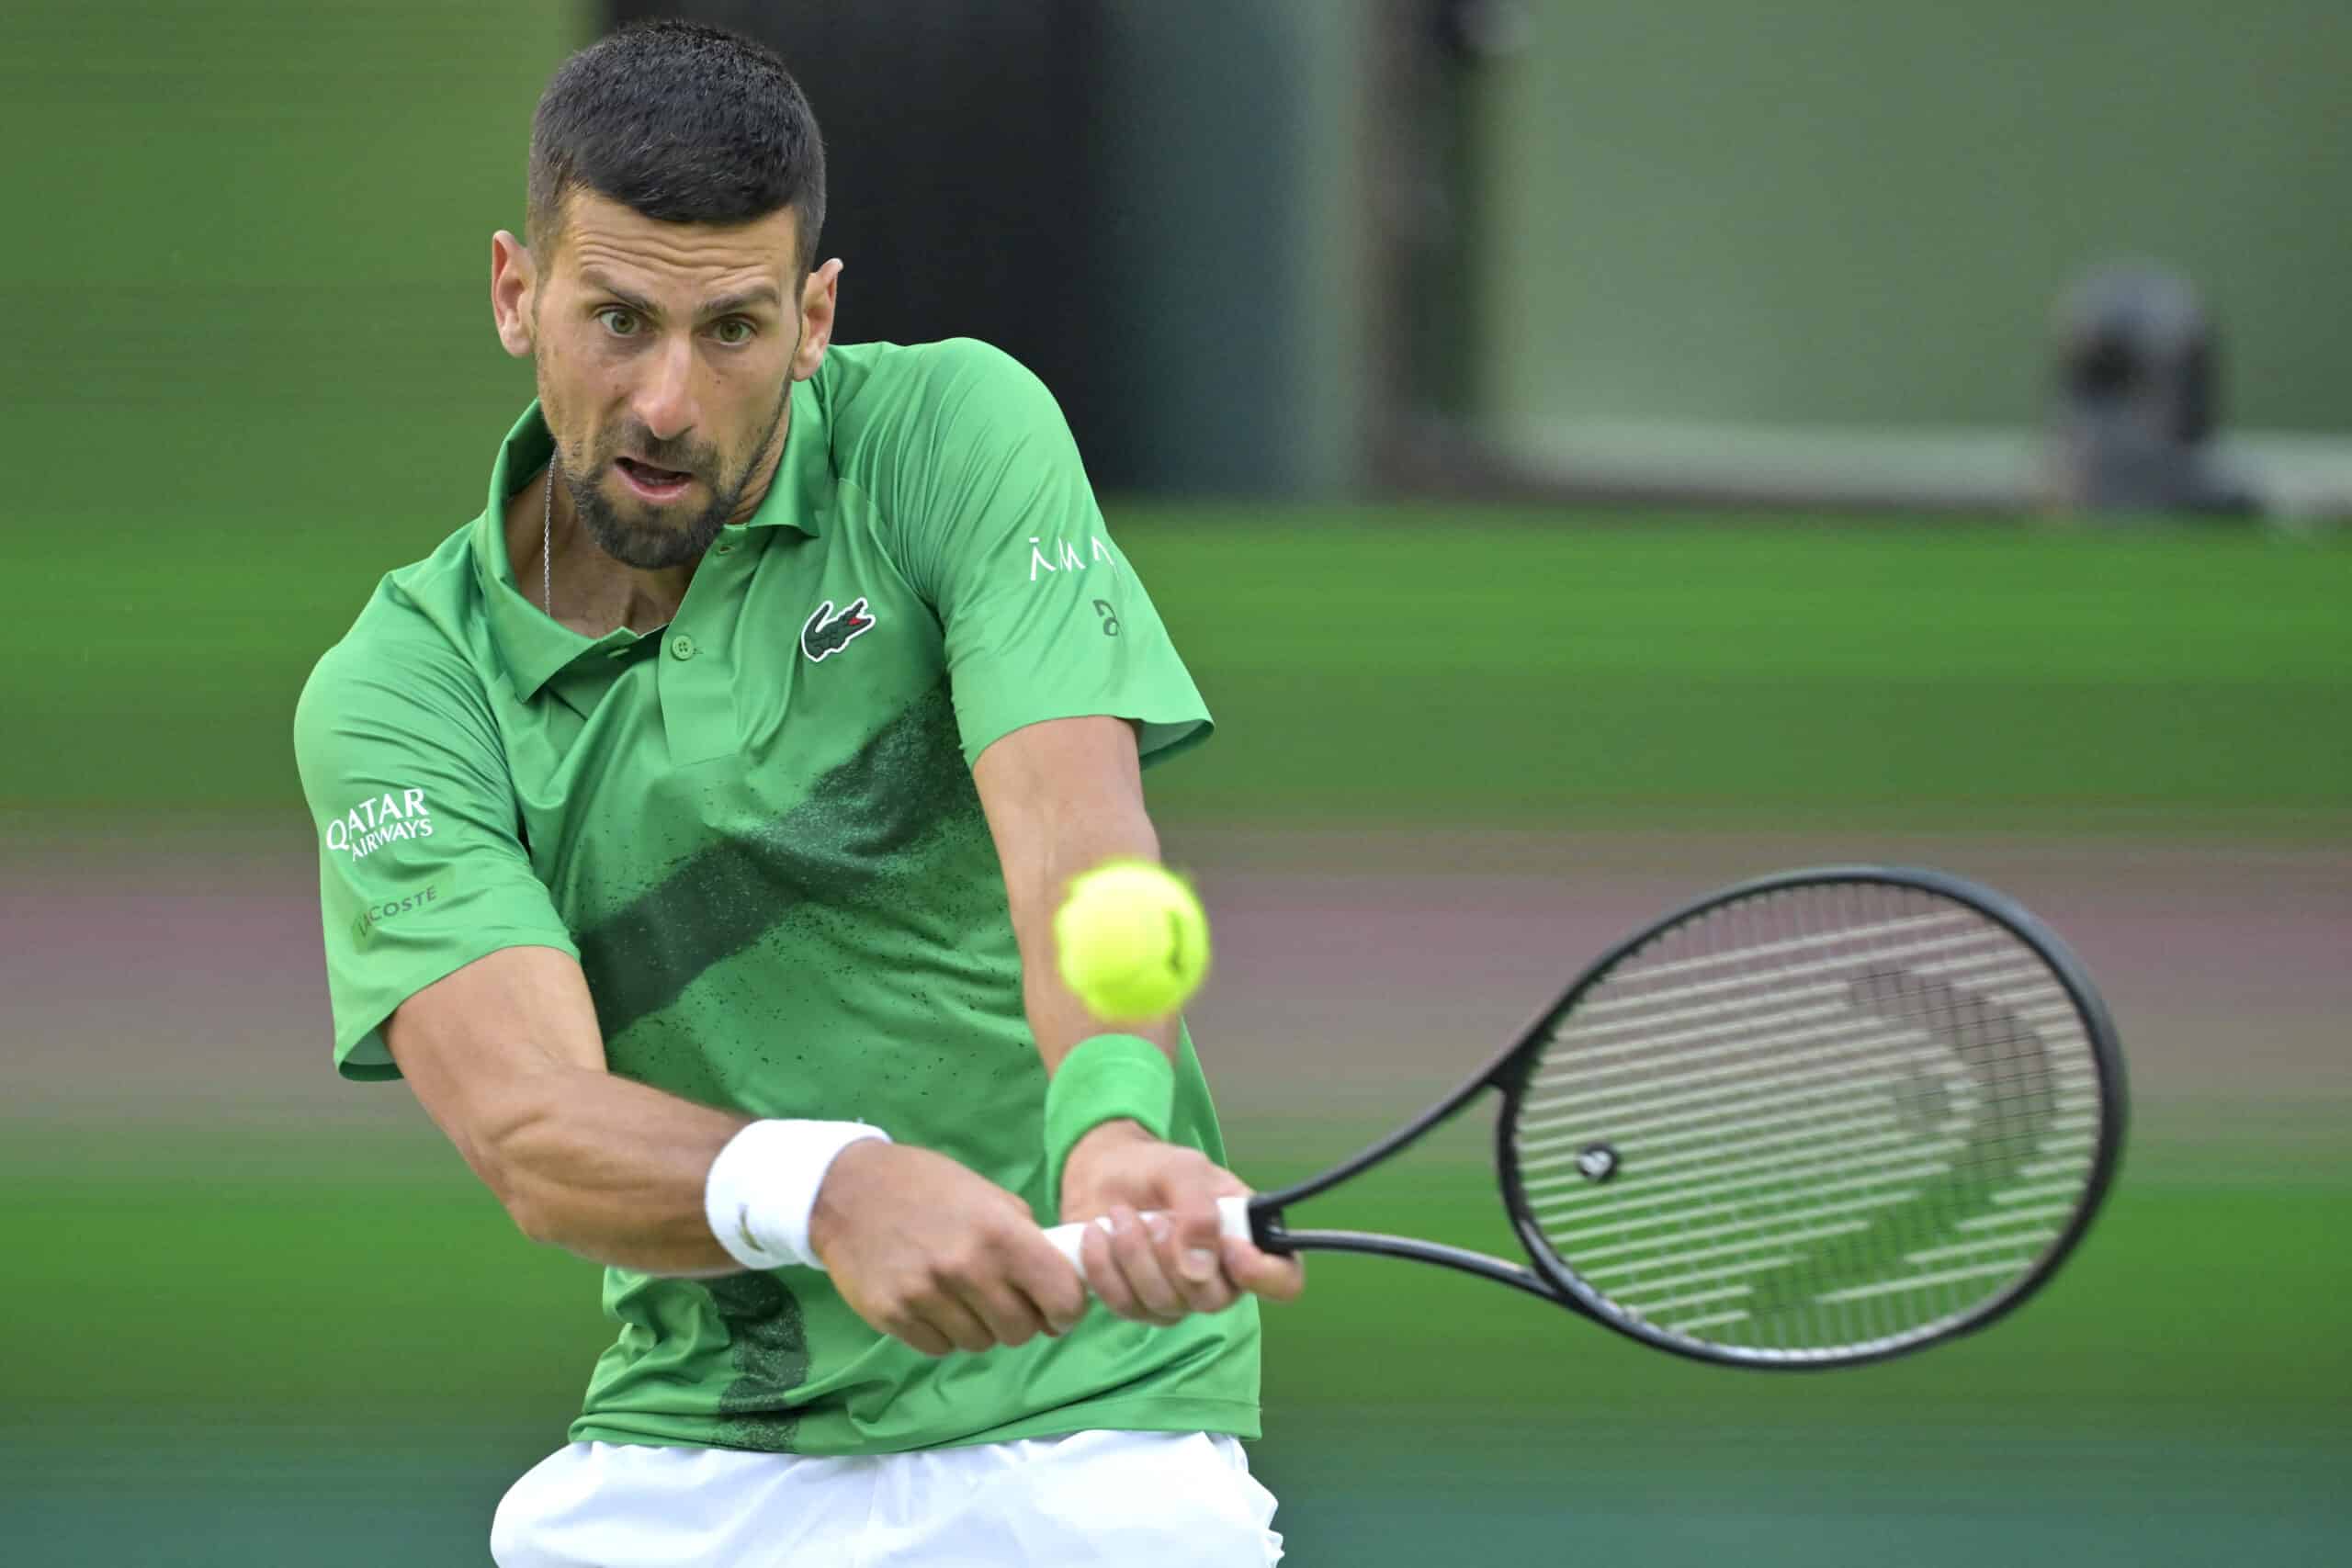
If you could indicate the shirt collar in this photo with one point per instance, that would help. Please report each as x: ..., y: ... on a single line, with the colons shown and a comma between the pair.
x: 534, y: 645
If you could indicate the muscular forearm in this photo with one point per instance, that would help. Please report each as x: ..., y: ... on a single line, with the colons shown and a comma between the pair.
x: 610, y: 1169
x: 1056, y: 1019
x: 1061, y: 799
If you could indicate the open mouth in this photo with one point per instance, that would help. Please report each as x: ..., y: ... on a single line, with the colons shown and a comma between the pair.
x: 652, y: 483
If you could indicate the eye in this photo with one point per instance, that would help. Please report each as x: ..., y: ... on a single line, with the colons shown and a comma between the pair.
x: 735, y: 331
x: 610, y: 313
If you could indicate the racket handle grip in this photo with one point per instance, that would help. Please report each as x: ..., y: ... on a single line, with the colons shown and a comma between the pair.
x: 1232, y: 1218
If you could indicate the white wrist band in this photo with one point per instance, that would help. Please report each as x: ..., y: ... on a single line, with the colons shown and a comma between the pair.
x: 762, y: 1187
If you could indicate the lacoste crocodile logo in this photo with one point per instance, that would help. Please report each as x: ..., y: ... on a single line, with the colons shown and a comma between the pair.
x: 827, y: 634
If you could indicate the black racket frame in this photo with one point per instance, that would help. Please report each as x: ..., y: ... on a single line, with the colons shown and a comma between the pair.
x: 1507, y: 1074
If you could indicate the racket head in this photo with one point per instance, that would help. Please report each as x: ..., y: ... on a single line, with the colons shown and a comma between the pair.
x: 1730, y: 1137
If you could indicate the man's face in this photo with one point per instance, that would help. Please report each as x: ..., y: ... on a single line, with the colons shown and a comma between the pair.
x: 665, y: 356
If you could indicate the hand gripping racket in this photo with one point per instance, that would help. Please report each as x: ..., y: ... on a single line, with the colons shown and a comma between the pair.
x: 1813, y: 1120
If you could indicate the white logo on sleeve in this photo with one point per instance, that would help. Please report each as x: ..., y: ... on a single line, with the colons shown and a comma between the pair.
x: 1051, y: 556
x: 380, y: 820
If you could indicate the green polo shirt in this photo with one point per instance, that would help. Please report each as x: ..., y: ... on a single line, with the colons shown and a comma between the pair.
x: 757, y: 830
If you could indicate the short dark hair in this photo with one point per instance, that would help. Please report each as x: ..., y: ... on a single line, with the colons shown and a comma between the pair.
x: 682, y: 123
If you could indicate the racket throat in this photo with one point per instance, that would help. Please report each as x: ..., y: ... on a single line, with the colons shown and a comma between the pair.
x: 1268, y: 1233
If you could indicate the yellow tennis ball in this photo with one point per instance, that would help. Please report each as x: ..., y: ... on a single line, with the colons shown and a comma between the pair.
x: 1132, y: 941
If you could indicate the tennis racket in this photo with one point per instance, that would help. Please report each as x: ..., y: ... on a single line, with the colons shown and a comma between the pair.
x: 1817, y: 1119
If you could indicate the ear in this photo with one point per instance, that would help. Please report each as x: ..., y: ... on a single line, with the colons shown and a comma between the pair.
x: 513, y: 276
x: 818, y: 296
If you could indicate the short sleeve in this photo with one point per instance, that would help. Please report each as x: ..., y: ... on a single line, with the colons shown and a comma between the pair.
x: 421, y: 868
x: 1042, y: 615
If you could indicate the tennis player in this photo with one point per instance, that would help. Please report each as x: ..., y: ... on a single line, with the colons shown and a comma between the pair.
x: 691, y: 824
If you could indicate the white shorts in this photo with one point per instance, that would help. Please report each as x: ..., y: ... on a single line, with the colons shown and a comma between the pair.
x: 1135, y: 1499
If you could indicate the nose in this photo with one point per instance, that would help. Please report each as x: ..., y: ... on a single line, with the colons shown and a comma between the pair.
x: 665, y: 400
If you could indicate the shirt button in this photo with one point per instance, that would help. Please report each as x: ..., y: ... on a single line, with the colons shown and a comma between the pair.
x: 682, y: 647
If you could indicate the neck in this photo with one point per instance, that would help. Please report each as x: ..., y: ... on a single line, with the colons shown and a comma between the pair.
x: 593, y: 593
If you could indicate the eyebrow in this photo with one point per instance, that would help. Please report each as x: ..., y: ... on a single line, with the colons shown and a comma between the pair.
x: 743, y: 299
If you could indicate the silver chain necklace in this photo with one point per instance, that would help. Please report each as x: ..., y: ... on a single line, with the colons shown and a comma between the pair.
x: 547, y: 543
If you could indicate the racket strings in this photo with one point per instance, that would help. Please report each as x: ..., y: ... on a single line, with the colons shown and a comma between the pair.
x: 1810, y: 1120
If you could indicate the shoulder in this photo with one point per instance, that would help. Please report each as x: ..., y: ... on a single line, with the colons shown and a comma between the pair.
x: 876, y: 379
x: 414, y: 646
x: 886, y: 398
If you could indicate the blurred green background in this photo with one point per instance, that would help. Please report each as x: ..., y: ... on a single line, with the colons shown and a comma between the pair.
x: 1908, y: 188
x: 256, y: 1316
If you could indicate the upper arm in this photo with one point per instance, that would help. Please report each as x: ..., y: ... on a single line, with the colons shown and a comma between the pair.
x: 422, y: 870
x: 1042, y: 616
